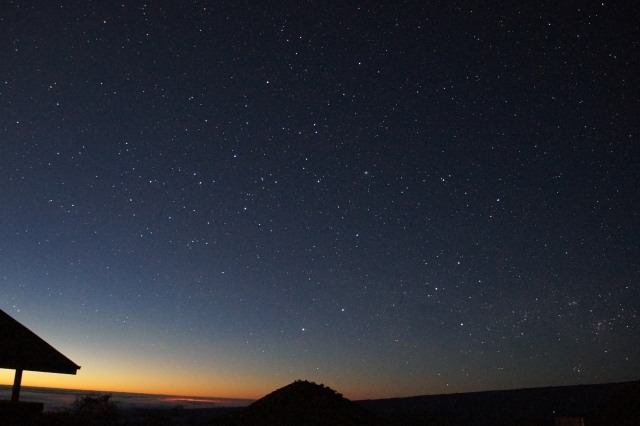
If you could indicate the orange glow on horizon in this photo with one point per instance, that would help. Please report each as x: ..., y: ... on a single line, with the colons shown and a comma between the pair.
x: 196, y: 391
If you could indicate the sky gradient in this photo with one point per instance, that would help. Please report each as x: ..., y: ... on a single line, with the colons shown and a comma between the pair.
x: 393, y: 199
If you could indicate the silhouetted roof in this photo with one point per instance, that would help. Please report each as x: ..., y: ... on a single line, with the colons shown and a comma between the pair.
x: 22, y: 349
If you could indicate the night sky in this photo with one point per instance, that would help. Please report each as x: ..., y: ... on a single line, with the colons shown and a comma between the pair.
x: 390, y: 198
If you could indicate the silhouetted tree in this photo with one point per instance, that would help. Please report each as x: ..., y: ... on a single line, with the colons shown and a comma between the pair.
x: 95, y: 409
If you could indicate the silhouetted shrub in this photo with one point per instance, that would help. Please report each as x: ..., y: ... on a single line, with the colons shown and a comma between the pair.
x: 94, y: 409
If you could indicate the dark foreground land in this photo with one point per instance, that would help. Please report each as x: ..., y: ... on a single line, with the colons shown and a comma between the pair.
x: 602, y: 404
x: 306, y: 403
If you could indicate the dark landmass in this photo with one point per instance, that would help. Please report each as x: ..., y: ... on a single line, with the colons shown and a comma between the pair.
x: 623, y: 409
x: 601, y: 404
x: 304, y: 403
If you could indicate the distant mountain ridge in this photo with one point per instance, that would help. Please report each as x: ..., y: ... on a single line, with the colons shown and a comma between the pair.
x: 600, y: 404
x: 304, y: 403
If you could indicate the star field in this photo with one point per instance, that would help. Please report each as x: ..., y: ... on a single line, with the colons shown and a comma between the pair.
x: 216, y: 198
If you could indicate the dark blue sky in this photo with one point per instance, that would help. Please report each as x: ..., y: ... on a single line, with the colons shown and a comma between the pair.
x: 392, y: 199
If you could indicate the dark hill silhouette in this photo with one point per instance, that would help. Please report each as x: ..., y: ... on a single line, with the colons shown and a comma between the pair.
x: 623, y: 409
x: 518, y: 406
x: 302, y: 403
